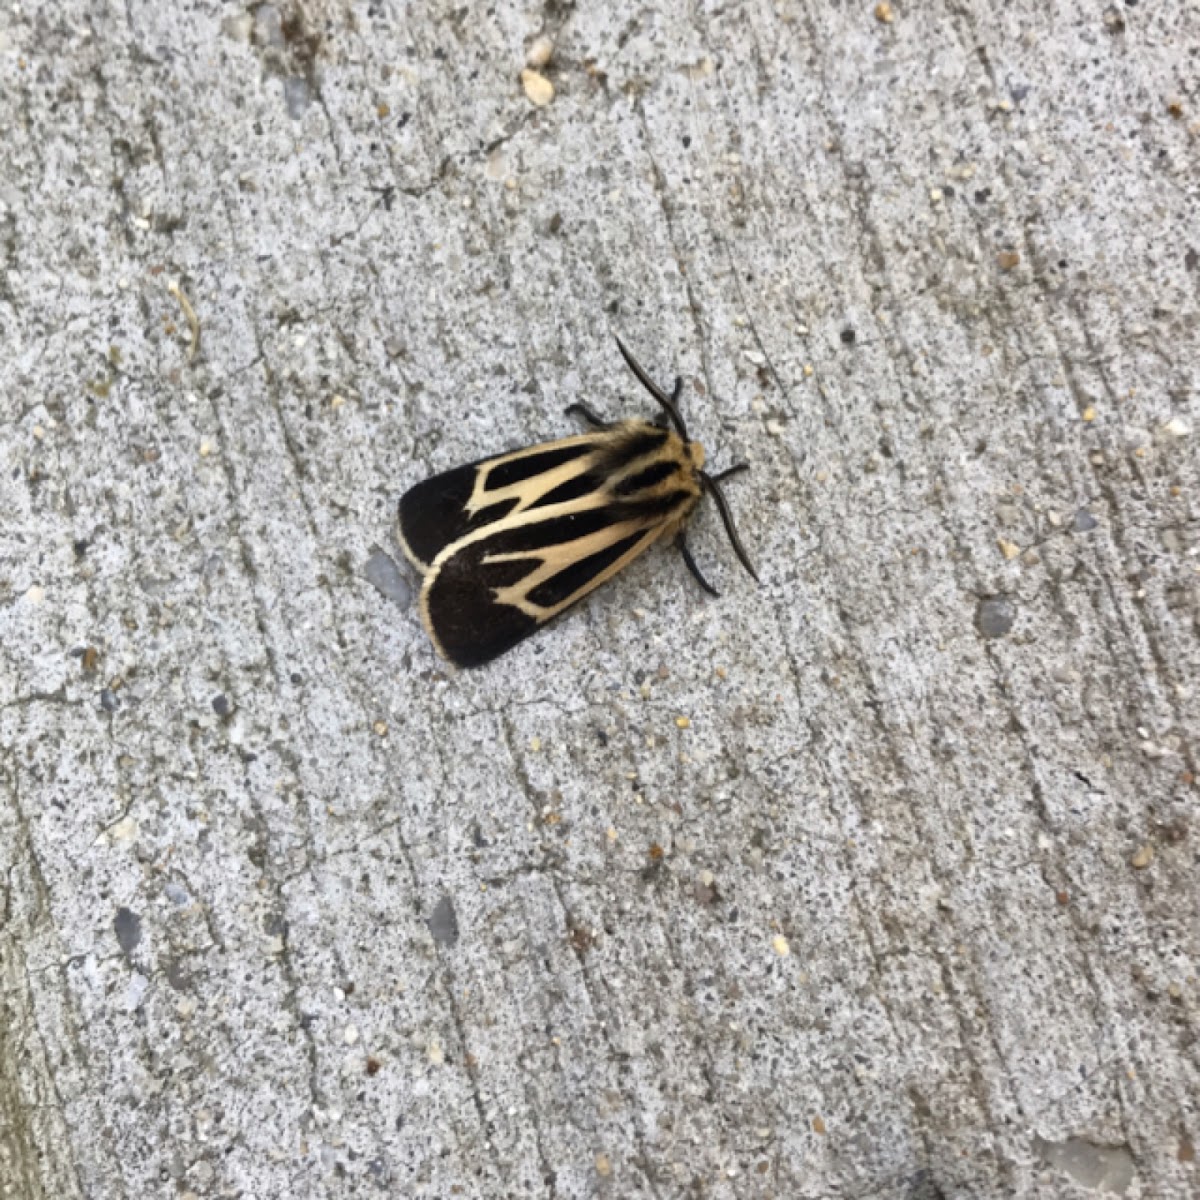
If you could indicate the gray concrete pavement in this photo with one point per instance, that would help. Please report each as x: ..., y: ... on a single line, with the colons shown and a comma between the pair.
x: 878, y: 879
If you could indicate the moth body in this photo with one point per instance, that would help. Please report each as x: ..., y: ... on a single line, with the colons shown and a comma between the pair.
x: 508, y: 543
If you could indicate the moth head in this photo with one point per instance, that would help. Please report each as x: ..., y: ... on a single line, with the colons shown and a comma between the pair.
x: 710, y: 483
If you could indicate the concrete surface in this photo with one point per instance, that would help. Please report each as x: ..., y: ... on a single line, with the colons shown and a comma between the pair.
x: 907, y: 905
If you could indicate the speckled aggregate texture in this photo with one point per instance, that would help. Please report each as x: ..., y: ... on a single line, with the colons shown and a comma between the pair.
x: 878, y: 879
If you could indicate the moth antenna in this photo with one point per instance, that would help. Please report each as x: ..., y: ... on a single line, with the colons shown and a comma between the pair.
x: 691, y: 566
x: 711, y: 482
x: 734, y: 470
x: 667, y: 402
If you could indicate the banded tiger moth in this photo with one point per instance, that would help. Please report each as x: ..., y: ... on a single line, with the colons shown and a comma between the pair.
x: 507, y: 543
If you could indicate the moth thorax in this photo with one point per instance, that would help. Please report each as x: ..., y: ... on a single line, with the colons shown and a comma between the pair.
x: 696, y: 452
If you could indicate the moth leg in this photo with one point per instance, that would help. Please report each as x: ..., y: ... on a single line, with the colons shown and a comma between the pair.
x: 734, y: 470
x: 589, y: 415
x: 677, y: 390
x: 691, y: 566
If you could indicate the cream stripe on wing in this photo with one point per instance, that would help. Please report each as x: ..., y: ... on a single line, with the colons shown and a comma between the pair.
x: 558, y: 558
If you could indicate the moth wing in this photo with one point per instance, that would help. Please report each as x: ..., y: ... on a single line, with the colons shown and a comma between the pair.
x: 489, y: 592
x: 442, y: 510
x: 433, y: 514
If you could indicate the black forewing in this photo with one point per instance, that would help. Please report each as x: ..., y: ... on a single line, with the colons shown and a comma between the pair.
x: 468, y: 623
x: 461, y: 612
x: 519, y: 469
x: 460, y: 607
x: 434, y: 512
x: 576, y: 576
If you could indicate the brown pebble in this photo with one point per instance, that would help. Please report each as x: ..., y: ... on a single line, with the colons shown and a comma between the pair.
x: 538, y: 88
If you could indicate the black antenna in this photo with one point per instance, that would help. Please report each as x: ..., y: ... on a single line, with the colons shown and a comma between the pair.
x: 713, y: 484
x: 668, y: 402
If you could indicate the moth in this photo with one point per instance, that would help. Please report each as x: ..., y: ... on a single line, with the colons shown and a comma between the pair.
x: 507, y: 543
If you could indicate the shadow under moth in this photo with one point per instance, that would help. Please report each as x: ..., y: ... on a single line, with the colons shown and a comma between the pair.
x: 507, y: 543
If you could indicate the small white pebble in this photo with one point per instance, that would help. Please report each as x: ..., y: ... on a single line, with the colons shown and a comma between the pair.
x: 350, y: 1036
x: 238, y: 28
x: 540, y: 52
x: 935, y: 195
x: 124, y: 830
x: 1177, y: 427
x: 780, y: 945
